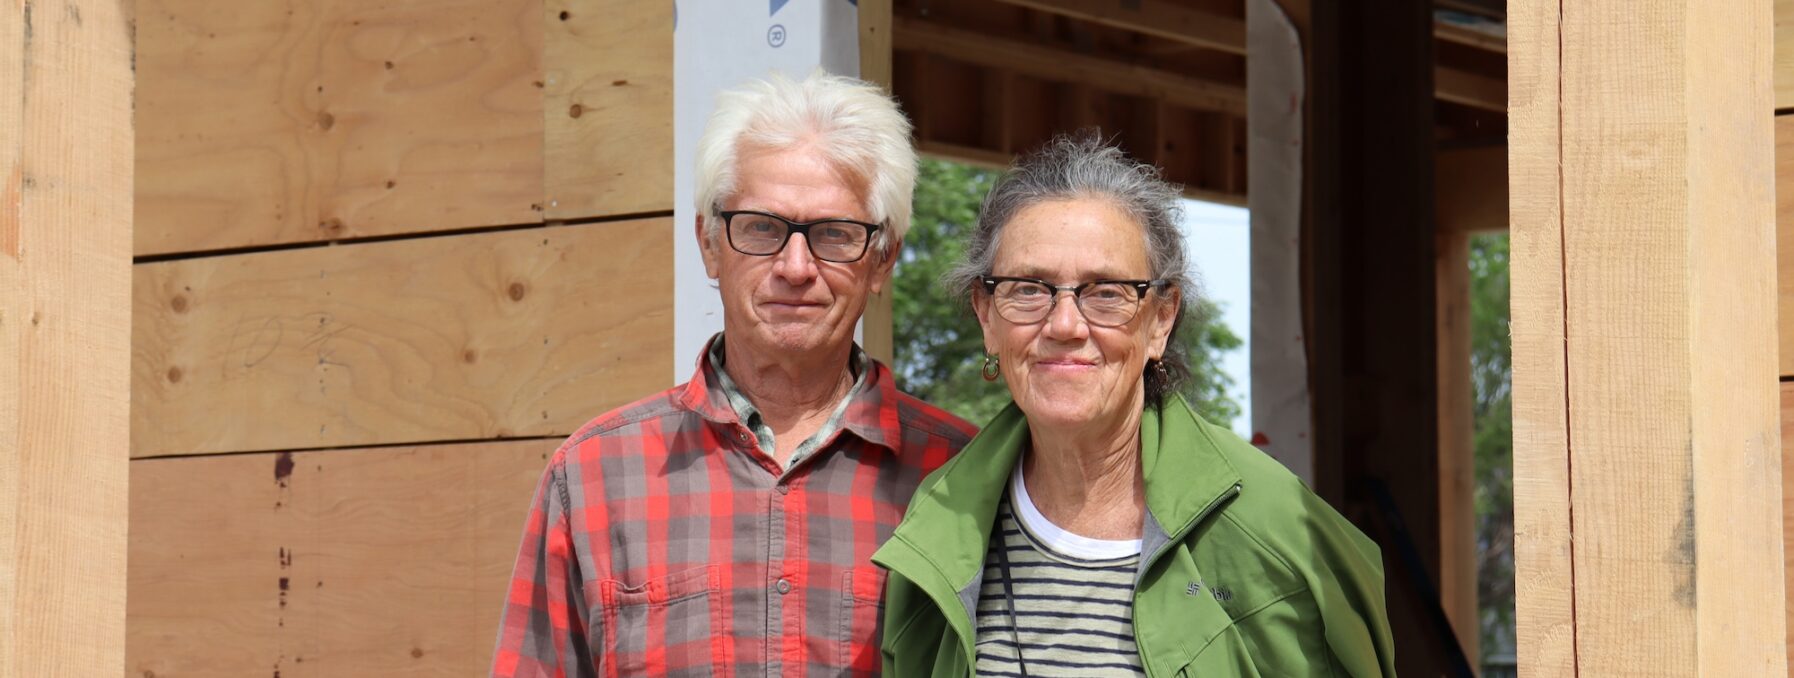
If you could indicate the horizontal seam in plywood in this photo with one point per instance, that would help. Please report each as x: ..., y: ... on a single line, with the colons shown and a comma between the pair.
x: 421, y: 235
x: 360, y: 447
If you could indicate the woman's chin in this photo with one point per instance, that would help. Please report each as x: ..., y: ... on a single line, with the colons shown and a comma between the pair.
x: 1068, y: 410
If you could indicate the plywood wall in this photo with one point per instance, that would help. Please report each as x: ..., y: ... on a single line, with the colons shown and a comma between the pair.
x: 388, y: 254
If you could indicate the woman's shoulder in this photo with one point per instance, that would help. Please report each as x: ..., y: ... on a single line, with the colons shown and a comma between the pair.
x: 1274, y: 507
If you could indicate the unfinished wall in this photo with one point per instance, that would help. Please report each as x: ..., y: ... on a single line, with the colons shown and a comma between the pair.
x: 388, y: 255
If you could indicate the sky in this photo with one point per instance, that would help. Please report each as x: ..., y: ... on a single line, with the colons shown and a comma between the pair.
x: 1220, y: 242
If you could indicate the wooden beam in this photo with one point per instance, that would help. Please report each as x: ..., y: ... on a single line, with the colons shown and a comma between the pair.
x: 1788, y: 504
x: 494, y: 335
x: 1208, y: 30
x: 1784, y: 55
x: 875, y: 66
x: 1463, y: 87
x: 1160, y: 18
x: 1648, y: 445
x: 1544, y: 607
x: 1457, y: 449
x: 1061, y: 65
x: 1469, y: 37
x: 1784, y: 240
x: 1470, y: 185
x: 66, y: 142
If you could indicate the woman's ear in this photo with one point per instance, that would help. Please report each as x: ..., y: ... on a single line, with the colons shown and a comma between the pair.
x: 1164, y: 316
x: 981, y: 308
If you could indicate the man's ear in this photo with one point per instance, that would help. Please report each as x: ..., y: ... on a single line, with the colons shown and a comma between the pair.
x: 707, y: 247
x: 883, y: 265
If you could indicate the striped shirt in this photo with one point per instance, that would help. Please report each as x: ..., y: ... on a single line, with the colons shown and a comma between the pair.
x: 1073, y: 599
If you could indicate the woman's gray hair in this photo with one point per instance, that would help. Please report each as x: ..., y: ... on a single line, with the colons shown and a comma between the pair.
x: 1084, y: 166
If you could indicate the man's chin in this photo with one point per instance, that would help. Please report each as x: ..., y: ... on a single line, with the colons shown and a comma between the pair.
x: 793, y: 337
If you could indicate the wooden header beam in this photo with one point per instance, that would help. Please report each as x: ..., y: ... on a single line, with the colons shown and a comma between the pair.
x: 1647, y: 446
x: 1208, y: 30
x: 1034, y: 59
x: 1159, y: 18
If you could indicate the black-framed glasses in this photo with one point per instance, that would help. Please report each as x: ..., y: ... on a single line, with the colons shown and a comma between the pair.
x: 1104, y: 303
x: 842, y: 241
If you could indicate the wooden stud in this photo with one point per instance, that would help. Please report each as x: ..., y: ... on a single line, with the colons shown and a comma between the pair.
x: 378, y: 562
x: 1457, y: 449
x: 1787, y: 415
x: 1784, y: 54
x: 1544, y: 588
x: 876, y: 66
x: 1784, y: 241
x: 65, y: 255
x: 1648, y: 487
x: 517, y: 333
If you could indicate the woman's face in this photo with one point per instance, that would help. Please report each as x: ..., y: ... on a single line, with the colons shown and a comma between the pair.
x: 1063, y: 371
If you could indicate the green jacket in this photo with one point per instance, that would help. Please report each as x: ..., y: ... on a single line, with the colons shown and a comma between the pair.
x: 1243, y: 570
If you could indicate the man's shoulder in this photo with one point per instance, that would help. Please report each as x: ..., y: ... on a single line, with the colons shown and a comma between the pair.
x: 625, y: 422
x: 916, y: 414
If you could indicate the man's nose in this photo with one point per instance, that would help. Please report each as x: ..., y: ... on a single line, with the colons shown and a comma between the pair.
x: 795, y: 264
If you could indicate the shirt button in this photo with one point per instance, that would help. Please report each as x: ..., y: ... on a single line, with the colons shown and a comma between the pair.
x: 783, y: 587
x: 784, y: 489
x: 741, y: 436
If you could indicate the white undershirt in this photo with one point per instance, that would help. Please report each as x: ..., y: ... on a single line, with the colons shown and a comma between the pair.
x: 1056, y: 538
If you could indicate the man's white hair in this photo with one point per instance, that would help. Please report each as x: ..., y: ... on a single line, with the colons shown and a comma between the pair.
x: 850, y: 121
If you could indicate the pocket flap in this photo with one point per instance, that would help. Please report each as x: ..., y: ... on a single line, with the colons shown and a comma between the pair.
x: 673, y: 587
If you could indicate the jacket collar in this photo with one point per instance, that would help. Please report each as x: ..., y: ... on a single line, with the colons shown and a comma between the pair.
x: 949, y: 522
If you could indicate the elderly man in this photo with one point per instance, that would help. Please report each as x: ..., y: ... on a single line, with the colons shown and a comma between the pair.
x: 726, y: 526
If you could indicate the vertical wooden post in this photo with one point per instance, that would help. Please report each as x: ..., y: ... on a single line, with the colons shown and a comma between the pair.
x: 1647, y: 446
x: 65, y: 330
x: 1457, y: 450
x: 875, y: 66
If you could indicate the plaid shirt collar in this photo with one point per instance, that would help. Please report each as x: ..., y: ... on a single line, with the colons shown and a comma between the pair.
x: 871, y: 411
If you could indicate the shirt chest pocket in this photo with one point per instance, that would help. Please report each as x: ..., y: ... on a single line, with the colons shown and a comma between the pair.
x: 861, y: 616
x: 662, y: 627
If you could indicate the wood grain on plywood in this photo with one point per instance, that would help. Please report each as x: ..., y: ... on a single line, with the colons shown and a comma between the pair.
x: 65, y: 257
x: 609, y: 107
x: 381, y: 562
x: 517, y: 333
x: 270, y: 123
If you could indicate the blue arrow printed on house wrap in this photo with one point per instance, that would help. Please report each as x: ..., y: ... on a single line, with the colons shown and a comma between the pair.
x: 777, y: 5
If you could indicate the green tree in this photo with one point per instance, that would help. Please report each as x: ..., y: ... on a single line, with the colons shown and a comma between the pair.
x: 1491, y: 371
x: 939, y: 348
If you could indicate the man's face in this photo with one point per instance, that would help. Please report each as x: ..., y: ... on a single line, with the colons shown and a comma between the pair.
x: 791, y: 303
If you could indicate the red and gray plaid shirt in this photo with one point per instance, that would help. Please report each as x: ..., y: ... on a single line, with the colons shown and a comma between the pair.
x: 663, y: 541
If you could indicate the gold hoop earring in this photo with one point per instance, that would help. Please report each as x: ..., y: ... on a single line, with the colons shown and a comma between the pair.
x: 990, y: 370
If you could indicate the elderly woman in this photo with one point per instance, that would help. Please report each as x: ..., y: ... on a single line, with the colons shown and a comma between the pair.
x: 1098, y: 526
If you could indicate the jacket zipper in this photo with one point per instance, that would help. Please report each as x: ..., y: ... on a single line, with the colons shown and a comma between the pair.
x: 1171, y: 541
